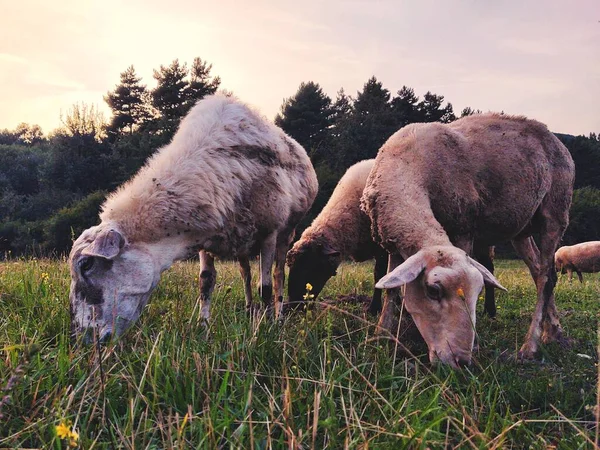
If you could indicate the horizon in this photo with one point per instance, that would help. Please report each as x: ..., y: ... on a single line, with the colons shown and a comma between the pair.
x: 533, y: 58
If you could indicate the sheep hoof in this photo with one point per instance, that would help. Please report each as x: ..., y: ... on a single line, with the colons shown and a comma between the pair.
x: 527, y: 351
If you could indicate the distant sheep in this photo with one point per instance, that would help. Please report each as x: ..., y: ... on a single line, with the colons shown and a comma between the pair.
x: 584, y: 257
x: 435, y: 189
x: 339, y: 232
x: 230, y: 184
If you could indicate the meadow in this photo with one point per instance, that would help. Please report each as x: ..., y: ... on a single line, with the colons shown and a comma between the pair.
x: 319, y: 379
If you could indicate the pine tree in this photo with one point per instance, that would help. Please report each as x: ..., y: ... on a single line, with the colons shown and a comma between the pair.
x: 169, y: 96
x: 128, y: 102
x: 342, y: 107
x: 430, y: 109
x: 200, y: 83
x: 371, y: 123
x: 306, y: 116
x: 404, y: 107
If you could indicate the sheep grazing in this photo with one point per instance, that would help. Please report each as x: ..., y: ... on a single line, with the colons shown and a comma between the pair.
x: 339, y: 232
x: 584, y: 257
x: 230, y: 184
x: 435, y: 189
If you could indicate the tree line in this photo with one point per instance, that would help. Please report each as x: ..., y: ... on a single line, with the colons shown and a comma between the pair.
x: 52, y: 186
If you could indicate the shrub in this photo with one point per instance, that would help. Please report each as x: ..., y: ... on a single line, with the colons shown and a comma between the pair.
x: 68, y: 223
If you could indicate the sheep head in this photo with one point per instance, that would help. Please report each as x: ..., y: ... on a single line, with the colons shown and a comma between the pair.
x: 111, y: 282
x: 442, y: 287
x: 311, y: 262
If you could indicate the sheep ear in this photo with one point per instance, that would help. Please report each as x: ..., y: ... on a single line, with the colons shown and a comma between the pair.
x: 406, y: 272
x: 488, y: 278
x: 107, y: 245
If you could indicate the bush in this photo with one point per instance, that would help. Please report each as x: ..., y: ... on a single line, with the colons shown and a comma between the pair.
x: 585, y: 211
x: 68, y: 223
x: 18, y: 237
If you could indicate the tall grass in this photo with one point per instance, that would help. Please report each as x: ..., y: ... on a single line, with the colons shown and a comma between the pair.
x: 318, y: 380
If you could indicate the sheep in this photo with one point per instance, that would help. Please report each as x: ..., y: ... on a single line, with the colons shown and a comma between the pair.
x: 584, y: 257
x: 339, y: 232
x: 437, y: 188
x: 229, y: 184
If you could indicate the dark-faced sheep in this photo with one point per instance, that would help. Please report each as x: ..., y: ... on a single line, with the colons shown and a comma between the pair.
x: 230, y: 184
x: 339, y: 232
x: 584, y: 257
x: 435, y: 189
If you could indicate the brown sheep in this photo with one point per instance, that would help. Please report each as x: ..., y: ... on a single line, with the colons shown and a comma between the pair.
x: 343, y: 231
x: 435, y: 189
x: 584, y: 257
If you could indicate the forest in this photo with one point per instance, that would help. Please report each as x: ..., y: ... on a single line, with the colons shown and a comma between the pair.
x: 52, y: 185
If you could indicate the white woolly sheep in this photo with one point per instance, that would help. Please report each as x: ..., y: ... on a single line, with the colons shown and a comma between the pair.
x: 435, y: 189
x: 584, y: 257
x: 230, y: 184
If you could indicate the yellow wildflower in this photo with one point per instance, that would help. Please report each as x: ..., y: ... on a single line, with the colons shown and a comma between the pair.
x: 63, y: 431
x: 308, y: 295
x: 73, y: 439
x: 460, y: 293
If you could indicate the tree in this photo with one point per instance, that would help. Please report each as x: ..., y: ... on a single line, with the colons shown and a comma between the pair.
x: 586, y: 155
x: 128, y: 102
x: 583, y: 217
x: 83, y: 121
x: 342, y: 107
x: 371, y: 123
x: 404, y: 107
x: 79, y: 153
x: 29, y: 134
x: 200, y: 83
x: 169, y: 96
x: 24, y: 134
x: 431, y: 110
x: 8, y: 137
x: 306, y: 116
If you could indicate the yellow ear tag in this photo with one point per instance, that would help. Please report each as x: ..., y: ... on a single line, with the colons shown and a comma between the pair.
x: 460, y: 293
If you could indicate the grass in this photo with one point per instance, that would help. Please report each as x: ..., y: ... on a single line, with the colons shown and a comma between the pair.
x: 318, y: 380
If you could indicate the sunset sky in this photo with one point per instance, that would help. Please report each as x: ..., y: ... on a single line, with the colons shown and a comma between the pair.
x: 539, y: 58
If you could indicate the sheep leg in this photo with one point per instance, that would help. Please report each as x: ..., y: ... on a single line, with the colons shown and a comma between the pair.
x: 570, y: 274
x: 247, y: 280
x: 484, y: 255
x: 267, y: 256
x: 381, y: 262
x: 580, y: 276
x: 208, y: 277
x: 387, y: 318
x: 545, y: 324
x: 283, y: 244
x: 529, y: 253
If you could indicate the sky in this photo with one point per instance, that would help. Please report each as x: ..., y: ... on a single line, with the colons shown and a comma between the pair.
x: 538, y: 58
